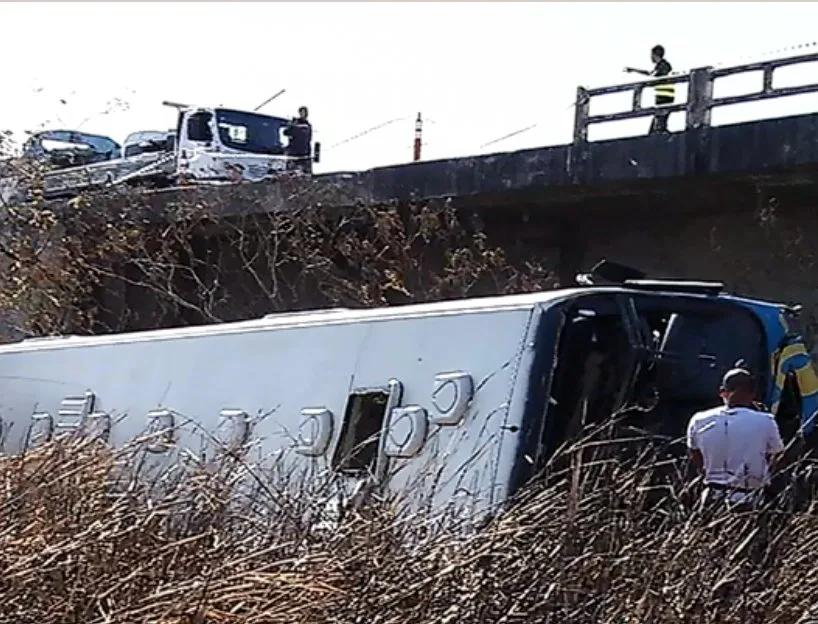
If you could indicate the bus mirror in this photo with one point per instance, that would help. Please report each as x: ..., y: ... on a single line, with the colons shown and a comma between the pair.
x: 317, y: 152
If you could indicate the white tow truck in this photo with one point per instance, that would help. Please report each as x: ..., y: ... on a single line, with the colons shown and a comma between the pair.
x: 207, y: 146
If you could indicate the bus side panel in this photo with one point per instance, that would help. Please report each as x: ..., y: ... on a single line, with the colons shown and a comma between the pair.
x: 515, y: 451
x: 458, y: 465
x: 534, y: 387
x: 271, y: 375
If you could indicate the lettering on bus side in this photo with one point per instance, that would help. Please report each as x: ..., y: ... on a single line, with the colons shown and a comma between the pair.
x: 231, y: 433
x: 451, y: 397
x: 161, y: 430
x: 234, y: 430
x: 40, y: 431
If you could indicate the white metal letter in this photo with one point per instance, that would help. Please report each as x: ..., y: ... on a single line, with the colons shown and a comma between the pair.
x: 41, y: 429
x: 162, y: 429
x: 237, y: 423
x: 73, y: 412
x: 451, y: 397
x: 395, y: 397
x: 315, y: 433
x: 407, y: 431
x: 97, y: 426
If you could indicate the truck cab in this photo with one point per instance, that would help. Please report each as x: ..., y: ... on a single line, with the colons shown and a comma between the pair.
x: 208, y: 145
x: 221, y: 144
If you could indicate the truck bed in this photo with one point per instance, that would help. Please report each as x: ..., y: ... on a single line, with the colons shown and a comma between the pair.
x: 150, y: 165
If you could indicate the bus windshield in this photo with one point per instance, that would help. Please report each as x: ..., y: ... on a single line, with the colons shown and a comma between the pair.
x: 250, y: 132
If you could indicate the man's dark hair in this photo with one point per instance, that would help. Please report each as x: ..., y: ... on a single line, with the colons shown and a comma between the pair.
x: 737, y: 379
x: 658, y: 51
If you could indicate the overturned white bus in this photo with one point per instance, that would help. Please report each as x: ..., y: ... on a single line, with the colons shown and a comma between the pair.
x: 455, y: 400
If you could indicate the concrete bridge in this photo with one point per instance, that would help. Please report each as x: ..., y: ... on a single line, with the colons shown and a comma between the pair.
x: 735, y: 202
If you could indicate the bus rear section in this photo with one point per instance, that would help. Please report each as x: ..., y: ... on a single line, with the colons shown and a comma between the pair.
x: 651, y: 358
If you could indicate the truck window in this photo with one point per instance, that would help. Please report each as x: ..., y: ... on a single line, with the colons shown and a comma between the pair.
x: 357, y: 450
x: 250, y: 132
x: 198, y: 127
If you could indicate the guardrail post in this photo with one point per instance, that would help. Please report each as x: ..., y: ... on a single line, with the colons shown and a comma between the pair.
x: 579, y: 148
x: 699, y: 98
x: 582, y: 110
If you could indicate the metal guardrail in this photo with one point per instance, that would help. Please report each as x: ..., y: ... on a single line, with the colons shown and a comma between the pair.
x: 700, y: 101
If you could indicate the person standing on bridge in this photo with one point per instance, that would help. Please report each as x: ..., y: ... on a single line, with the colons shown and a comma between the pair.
x: 734, y: 445
x: 299, y: 146
x: 664, y: 94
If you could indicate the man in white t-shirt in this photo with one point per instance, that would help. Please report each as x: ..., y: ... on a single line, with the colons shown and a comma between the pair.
x: 734, y: 445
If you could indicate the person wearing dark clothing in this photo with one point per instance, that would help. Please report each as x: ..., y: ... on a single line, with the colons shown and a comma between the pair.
x: 664, y: 93
x: 299, y: 147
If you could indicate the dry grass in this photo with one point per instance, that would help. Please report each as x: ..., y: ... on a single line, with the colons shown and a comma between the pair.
x: 79, y: 545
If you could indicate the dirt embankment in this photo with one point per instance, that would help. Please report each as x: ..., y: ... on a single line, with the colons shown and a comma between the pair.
x: 129, y: 261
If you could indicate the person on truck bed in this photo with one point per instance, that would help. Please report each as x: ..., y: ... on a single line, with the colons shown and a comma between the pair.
x: 734, y: 445
x: 664, y: 94
x: 299, y: 132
